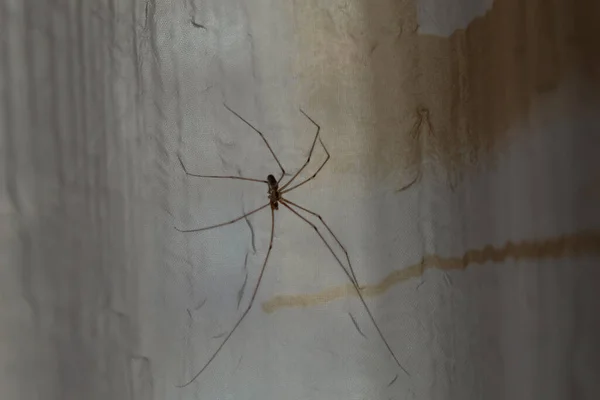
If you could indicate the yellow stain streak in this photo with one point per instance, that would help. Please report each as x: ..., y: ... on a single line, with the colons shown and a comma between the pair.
x: 575, y: 245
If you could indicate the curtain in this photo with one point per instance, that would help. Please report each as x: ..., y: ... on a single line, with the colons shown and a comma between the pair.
x: 448, y: 248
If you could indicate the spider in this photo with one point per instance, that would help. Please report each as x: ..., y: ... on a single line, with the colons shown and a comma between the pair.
x: 276, y: 194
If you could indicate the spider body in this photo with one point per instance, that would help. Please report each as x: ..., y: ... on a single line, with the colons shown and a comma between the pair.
x: 274, y: 193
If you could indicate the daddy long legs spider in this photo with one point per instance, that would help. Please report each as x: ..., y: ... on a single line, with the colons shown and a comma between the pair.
x: 276, y: 192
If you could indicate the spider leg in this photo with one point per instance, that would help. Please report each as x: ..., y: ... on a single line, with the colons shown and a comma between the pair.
x: 216, y: 176
x: 354, y: 284
x: 224, y: 223
x: 246, y: 311
x: 263, y: 138
x: 408, y: 185
x: 332, y: 234
x: 313, y: 175
x: 312, y: 147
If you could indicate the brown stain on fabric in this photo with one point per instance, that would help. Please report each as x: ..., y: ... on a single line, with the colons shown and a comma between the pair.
x: 369, y: 70
x: 576, y: 245
x: 477, y: 83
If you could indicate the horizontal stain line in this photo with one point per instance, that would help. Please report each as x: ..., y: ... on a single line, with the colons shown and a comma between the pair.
x: 575, y: 245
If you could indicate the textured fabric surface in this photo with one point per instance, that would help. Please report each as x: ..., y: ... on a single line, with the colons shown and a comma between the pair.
x: 482, y: 273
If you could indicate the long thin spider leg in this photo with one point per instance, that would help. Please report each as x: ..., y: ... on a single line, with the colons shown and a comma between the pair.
x: 263, y: 138
x: 246, y: 311
x: 330, y: 231
x: 354, y: 284
x: 313, y: 175
x: 408, y: 185
x: 310, y: 152
x: 216, y: 176
x: 222, y: 224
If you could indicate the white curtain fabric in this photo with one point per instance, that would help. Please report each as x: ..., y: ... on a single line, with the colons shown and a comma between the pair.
x: 463, y: 183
